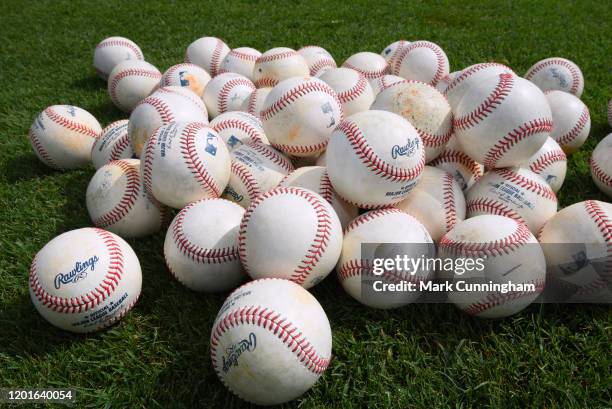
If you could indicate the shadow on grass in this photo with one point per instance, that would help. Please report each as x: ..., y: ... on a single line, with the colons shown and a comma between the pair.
x: 24, y: 167
x: 89, y: 83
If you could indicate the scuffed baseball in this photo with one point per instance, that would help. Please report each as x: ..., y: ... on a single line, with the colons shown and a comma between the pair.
x: 319, y: 60
x: 186, y: 75
x: 226, y: 92
x: 278, y: 64
x: 601, y: 165
x: 421, y: 61
x: 241, y: 61
x: 111, y: 51
x: 236, y: 128
x: 455, y: 161
x: 557, y: 73
x: 353, y: 89
x: 550, y: 163
x: 113, y: 143
x: 370, y: 65
x: 130, y: 82
x: 571, y: 120
x: 255, y: 102
x: 208, y: 53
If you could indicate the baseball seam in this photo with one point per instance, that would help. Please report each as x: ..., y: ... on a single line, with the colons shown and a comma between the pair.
x: 229, y: 124
x: 243, y: 173
x: 227, y: 88
x: 69, y: 124
x: 121, y: 43
x: 137, y: 72
x: 355, y: 91
x: 557, y: 61
x: 541, y: 189
x: 129, y: 197
x: 547, y: 159
x: 455, y: 156
x: 496, y: 299
x: 450, y: 207
x: 41, y: 151
x: 569, y: 137
x: 490, y: 206
x: 193, y: 161
x: 369, y: 74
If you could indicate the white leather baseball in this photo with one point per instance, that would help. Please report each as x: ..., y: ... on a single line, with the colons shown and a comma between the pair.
x: 186, y: 75
x: 130, y: 82
x: 270, y: 342
x: 392, y: 51
x: 370, y: 171
x: 208, y: 53
x: 241, y: 61
x: 437, y: 201
x: 62, y: 136
x: 425, y: 108
x: 557, y: 74
x: 256, y: 168
x: 421, y: 61
x: 502, y: 121
x: 455, y: 161
x: 571, y: 120
x: 85, y: 280
x: 516, y: 193
x: 236, y: 128
x: 184, y: 94
x: 113, y: 143
x: 550, y: 163
x: 577, y: 243
x: 116, y: 201
x: 111, y: 51
x: 384, y: 82
x: 353, y: 89
x: 470, y: 77
x: 509, y: 253
x: 445, y: 81
x: 387, y: 233
x: 255, y: 102
x: 290, y: 233
x: 161, y: 108
x: 319, y: 60
x: 370, y: 65
x: 184, y: 162
x: 226, y: 92
x: 300, y: 114
x: 315, y: 178
x: 278, y: 64
x: 601, y: 165
x: 201, y: 246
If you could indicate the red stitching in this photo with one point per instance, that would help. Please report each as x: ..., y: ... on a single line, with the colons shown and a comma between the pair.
x: 69, y: 124
x: 541, y: 189
x: 503, y: 246
x: 382, y: 84
x: 600, y: 174
x: 40, y: 149
x: 165, y: 80
x: 216, y: 55
x: 546, y: 160
x: 557, y: 61
x: 499, y: 93
x: 604, y: 224
x: 454, y: 156
x: 369, y: 74
x: 324, y: 62
x: 441, y: 68
x: 319, y: 244
x: 434, y: 141
x: 226, y: 89
x: 243, y: 56
x: 87, y: 301
x: 514, y: 137
x: 326, y: 189
x: 369, y: 216
x: 162, y: 109
x: 243, y: 172
x: 127, y: 73
x: 450, y: 207
x: 121, y: 43
x: 364, y: 267
x: 252, y: 104
x: 266, y: 82
x: 496, y: 299
x: 297, y: 92
x: 253, y: 133
x: 568, y: 137
x: 264, y: 58
x: 193, y: 162
x: 120, y: 147
x: 197, y: 253
x: 129, y: 197
x: 369, y: 158
x: 468, y: 72
x: 272, y: 155
x: 490, y: 206
x: 147, y: 172
x: 301, y: 149
x: 355, y: 91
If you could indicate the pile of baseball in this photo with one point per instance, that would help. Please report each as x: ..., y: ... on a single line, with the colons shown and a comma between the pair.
x: 270, y: 190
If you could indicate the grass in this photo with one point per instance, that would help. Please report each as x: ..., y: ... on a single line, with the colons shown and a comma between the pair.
x: 417, y: 356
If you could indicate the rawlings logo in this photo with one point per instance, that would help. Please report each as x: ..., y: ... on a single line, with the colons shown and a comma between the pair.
x: 233, y: 194
x: 78, y: 273
x: 405, y: 150
x: 234, y: 351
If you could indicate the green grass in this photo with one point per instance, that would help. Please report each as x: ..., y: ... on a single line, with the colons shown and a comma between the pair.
x: 158, y: 356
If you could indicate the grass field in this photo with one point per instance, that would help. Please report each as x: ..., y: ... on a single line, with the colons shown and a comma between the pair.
x: 158, y: 356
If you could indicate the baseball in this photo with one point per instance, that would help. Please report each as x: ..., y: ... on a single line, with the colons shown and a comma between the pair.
x: 161, y: 108
x: 353, y: 89
x: 130, y: 82
x: 319, y: 60
x: 470, y: 77
x: 384, y: 82
x: 571, y: 119
x: 85, y: 280
x: 208, y: 53
x: 278, y: 64
x: 516, y: 193
x: 116, y: 201
x: 290, y: 233
x: 503, y: 251
x: 236, y: 128
x: 184, y: 94
x: 111, y: 51
x: 201, y: 246
x: 445, y: 81
x: 299, y: 115
x: 455, y: 161
x: 370, y: 65
x: 113, y: 143
x: 382, y: 233
x: 425, y: 108
x: 370, y: 171
x: 502, y: 121
x: 241, y: 61
x: 184, y: 162
x: 62, y: 136
x: 270, y: 318
x: 186, y: 75
x: 437, y: 201
x: 550, y: 163
x: 421, y: 61
x: 256, y: 168
x: 315, y: 178
x: 255, y: 102
x: 557, y: 74
x: 392, y: 50
x: 226, y: 92
x: 601, y: 165
x: 577, y: 243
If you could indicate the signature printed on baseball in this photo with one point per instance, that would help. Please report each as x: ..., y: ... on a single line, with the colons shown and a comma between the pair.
x: 78, y: 273
x: 234, y: 351
x: 405, y: 150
